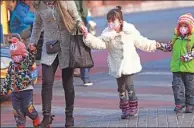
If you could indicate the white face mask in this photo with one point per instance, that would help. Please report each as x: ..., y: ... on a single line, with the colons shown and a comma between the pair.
x: 113, y: 25
x: 183, y: 30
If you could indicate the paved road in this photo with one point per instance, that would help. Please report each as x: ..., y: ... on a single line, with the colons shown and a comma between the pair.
x: 97, y: 106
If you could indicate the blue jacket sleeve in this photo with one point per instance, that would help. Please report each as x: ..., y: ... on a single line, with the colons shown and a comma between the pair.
x: 28, y: 20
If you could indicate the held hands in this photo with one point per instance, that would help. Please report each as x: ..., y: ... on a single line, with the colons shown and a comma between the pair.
x: 31, y: 47
x: 84, y: 30
x: 158, y: 45
x: 164, y: 46
x: 5, y: 92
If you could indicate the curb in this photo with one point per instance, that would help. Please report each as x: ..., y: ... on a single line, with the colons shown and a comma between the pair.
x: 142, y: 7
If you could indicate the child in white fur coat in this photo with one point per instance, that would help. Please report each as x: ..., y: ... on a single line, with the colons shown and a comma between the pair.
x: 121, y: 40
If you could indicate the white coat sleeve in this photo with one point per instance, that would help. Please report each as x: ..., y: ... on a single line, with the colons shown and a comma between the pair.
x: 98, y: 43
x: 143, y: 43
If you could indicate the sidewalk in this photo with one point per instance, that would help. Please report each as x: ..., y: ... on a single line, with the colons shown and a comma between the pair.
x: 141, y: 6
x: 156, y: 117
x: 98, y: 105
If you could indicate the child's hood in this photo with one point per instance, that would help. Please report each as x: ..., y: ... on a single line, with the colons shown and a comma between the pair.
x: 127, y: 29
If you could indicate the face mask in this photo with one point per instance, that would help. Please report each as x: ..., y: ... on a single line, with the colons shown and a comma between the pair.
x: 112, y: 25
x: 183, y: 30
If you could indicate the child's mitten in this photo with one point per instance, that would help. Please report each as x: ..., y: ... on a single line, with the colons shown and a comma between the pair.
x: 4, y: 91
x: 165, y: 47
x: 187, y: 57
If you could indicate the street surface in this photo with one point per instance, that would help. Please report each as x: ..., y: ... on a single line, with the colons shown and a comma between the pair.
x: 97, y: 105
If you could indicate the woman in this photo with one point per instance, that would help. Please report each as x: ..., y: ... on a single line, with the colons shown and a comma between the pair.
x: 48, y: 15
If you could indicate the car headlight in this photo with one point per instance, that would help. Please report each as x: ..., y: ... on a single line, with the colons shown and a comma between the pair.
x: 5, y: 62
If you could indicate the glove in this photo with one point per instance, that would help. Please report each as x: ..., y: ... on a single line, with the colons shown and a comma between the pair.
x: 165, y: 47
x: 187, y: 57
x: 5, y: 92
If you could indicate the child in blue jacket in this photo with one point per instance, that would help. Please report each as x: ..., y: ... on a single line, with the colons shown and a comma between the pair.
x: 21, y: 18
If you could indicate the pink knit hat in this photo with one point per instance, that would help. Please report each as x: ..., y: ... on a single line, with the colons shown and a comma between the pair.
x: 187, y: 19
x: 17, y: 48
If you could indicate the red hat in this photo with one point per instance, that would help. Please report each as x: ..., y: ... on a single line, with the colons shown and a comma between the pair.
x: 186, y: 19
x: 17, y: 48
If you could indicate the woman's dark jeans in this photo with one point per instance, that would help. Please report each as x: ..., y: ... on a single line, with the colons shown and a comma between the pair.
x: 48, y: 74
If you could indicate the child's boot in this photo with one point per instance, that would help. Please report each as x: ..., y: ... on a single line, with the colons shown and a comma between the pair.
x: 124, y: 106
x: 179, y: 108
x: 133, y: 106
x: 189, y: 109
x: 36, y: 122
x: 47, y: 121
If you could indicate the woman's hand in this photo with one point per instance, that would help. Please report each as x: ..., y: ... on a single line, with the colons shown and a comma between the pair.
x: 84, y: 30
x: 31, y: 47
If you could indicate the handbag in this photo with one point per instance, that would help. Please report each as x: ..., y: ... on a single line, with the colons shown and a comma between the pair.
x: 53, y: 47
x: 80, y: 54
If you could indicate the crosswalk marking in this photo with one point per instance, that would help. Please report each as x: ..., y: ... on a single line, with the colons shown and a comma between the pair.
x: 155, y: 73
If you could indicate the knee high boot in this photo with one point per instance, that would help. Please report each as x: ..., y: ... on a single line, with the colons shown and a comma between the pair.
x: 69, y: 96
x: 133, y: 106
x: 124, y: 106
x: 46, y: 105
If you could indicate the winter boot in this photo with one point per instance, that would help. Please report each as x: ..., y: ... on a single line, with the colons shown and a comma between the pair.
x: 179, y: 108
x: 36, y: 122
x: 69, y: 122
x: 46, y: 122
x: 189, y: 109
x: 124, y: 106
x: 133, y: 107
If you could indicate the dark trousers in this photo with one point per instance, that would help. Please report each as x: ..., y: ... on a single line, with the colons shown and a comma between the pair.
x: 183, y: 88
x: 126, y: 87
x: 22, y: 103
x: 48, y: 74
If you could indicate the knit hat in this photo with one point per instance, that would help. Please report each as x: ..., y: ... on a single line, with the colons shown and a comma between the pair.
x: 17, y: 48
x: 187, y: 19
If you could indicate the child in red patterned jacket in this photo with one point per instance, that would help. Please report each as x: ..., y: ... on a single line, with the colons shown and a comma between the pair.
x: 18, y: 81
